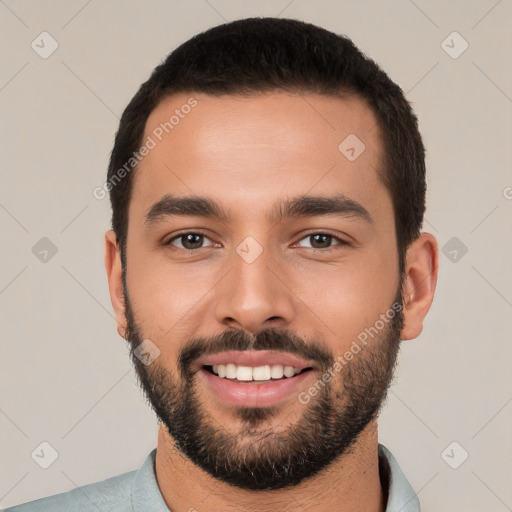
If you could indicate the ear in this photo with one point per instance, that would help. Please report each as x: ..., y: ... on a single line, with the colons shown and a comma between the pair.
x: 422, y: 262
x: 115, y: 281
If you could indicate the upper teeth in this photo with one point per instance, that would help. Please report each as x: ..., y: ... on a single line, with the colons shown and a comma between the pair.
x: 275, y: 371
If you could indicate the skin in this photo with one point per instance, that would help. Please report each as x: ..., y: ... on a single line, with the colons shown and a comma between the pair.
x: 248, y: 153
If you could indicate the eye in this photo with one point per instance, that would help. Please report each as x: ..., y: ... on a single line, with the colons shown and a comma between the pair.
x: 322, y: 240
x: 188, y: 241
x: 192, y: 241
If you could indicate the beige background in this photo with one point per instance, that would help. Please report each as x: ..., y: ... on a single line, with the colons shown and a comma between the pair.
x: 65, y: 377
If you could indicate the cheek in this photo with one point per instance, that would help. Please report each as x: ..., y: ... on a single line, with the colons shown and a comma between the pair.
x: 164, y: 298
x: 344, y: 299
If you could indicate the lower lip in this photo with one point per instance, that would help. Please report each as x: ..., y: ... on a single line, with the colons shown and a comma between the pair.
x: 250, y: 394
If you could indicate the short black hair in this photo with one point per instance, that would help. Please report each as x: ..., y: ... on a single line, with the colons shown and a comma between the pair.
x: 254, y: 55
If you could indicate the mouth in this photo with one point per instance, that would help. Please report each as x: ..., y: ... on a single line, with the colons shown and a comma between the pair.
x: 254, y: 378
x: 254, y: 374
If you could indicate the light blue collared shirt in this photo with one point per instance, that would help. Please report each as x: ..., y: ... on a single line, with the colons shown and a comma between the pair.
x: 137, y: 491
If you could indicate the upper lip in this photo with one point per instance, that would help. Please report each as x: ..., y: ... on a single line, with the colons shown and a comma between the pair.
x: 255, y: 358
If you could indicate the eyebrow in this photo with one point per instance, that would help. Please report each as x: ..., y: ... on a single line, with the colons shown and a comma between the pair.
x: 298, y: 207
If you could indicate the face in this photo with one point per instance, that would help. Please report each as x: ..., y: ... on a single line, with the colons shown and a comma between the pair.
x: 257, y: 247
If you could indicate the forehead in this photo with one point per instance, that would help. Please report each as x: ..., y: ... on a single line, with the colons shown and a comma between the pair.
x: 249, y: 151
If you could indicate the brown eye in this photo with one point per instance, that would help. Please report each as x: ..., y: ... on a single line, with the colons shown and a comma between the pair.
x: 188, y: 241
x: 322, y: 241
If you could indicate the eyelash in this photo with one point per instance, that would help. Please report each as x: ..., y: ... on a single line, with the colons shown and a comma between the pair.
x: 190, y: 251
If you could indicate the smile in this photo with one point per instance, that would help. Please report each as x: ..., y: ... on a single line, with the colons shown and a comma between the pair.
x: 264, y: 373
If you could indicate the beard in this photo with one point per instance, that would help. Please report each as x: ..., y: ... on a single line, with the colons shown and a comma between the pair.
x: 259, y: 456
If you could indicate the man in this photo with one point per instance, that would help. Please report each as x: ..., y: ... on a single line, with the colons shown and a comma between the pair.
x: 268, y: 191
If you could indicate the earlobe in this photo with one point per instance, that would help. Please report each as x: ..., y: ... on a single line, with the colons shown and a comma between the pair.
x: 115, y: 282
x: 422, y: 262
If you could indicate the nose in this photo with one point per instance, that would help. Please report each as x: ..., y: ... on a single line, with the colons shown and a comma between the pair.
x: 253, y: 294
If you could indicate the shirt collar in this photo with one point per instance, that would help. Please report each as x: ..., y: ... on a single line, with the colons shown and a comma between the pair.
x: 146, y: 494
x: 401, y: 496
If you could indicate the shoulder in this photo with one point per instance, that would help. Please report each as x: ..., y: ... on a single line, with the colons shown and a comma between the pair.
x: 110, y: 495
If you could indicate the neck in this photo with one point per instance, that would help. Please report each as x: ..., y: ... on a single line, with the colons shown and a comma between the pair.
x: 350, y: 484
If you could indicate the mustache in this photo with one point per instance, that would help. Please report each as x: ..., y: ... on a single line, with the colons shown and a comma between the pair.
x: 280, y: 340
